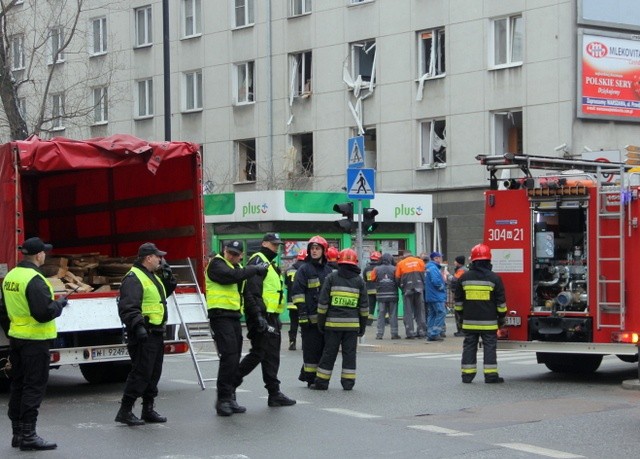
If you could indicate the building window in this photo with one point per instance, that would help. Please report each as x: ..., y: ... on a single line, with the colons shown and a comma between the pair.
x: 246, y: 154
x: 56, y: 42
x: 508, y: 41
x: 370, y: 146
x: 507, y: 132
x: 355, y: 2
x: 22, y: 107
x: 363, y: 59
x: 300, y: 74
x: 193, y: 90
x: 98, y: 36
x: 191, y: 10
x: 244, y: 83
x: 244, y: 12
x: 302, y: 149
x: 433, y: 143
x: 100, y: 105
x: 145, y: 98
x: 299, y: 7
x: 144, y: 35
x: 17, y: 52
x: 431, y: 53
x: 57, y: 112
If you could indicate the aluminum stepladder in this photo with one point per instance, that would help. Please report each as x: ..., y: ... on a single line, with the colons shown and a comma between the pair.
x: 192, y: 311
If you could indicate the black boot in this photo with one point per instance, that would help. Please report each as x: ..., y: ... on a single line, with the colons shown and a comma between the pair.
x: 223, y: 408
x: 149, y: 414
x: 347, y: 384
x: 279, y: 399
x: 493, y: 379
x: 31, y: 441
x: 126, y: 416
x: 17, y: 433
x: 234, y: 405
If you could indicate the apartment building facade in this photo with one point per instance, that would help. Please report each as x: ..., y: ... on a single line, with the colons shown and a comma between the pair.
x: 273, y: 89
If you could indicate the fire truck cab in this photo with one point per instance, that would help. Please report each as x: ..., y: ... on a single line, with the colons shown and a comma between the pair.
x: 566, y: 243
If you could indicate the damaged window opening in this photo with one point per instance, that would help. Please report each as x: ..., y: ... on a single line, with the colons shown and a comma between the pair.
x: 370, y: 147
x: 363, y: 56
x: 508, y: 40
x: 299, y: 7
x: 433, y: 144
x: 244, y: 12
x: 301, y: 74
x: 431, y: 48
x: 244, y: 83
x: 303, y: 145
x: 507, y: 129
x: 246, y: 150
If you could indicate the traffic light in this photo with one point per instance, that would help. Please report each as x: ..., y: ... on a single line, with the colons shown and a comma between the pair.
x: 369, y: 224
x: 346, y: 209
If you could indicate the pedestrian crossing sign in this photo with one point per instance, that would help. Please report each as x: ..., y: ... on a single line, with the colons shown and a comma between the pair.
x: 361, y: 183
x: 355, y: 152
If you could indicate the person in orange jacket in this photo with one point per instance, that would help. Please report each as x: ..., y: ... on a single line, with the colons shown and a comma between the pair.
x: 410, y: 273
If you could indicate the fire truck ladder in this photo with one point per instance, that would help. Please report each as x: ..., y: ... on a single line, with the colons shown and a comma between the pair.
x: 194, y: 321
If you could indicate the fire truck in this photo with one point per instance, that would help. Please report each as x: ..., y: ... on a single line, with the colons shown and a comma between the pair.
x: 566, y: 242
x: 104, y: 197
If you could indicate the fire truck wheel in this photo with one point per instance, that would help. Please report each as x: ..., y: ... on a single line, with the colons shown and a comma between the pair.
x: 106, y: 372
x: 570, y: 363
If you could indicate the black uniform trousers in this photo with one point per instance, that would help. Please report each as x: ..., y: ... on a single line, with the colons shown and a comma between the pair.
x: 333, y: 340
x: 228, y: 337
x: 29, y: 376
x: 293, y: 324
x: 470, y: 349
x: 265, y: 351
x: 146, y: 368
x: 372, y: 304
x: 312, y: 346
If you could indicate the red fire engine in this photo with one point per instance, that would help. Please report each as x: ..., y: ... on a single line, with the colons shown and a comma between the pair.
x: 567, y: 245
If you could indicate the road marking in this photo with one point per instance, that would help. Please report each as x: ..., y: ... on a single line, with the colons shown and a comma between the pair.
x: 440, y: 430
x: 418, y: 354
x: 537, y: 450
x: 183, y: 381
x: 432, y: 356
x: 355, y: 414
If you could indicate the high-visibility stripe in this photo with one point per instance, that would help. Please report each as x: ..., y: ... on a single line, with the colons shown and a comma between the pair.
x: 309, y: 367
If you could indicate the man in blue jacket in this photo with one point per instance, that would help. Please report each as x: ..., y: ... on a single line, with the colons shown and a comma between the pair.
x: 435, y: 296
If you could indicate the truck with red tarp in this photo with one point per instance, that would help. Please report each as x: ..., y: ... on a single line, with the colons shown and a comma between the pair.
x: 102, y: 196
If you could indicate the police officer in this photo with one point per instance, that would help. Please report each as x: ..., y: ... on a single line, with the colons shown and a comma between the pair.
x: 143, y: 310
x: 263, y: 304
x: 225, y: 283
x: 289, y: 277
x: 28, y: 311
x: 342, y: 317
x: 481, y: 304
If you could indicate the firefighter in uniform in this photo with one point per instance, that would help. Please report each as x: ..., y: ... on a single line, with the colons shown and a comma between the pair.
x: 28, y: 311
x: 263, y: 304
x: 342, y: 317
x: 306, y: 290
x: 142, y: 307
x: 374, y: 260
x: 225, y: 282
x: 289, y: 277
x: 332, y: 257
x: 481, y: 304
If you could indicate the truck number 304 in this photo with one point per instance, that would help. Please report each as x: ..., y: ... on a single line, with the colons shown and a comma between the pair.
x: 503, y: 234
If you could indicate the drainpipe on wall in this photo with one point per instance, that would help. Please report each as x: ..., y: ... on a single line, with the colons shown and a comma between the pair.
x: 271, y: 180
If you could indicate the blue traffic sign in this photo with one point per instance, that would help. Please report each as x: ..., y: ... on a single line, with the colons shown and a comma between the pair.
x: 361, y: 183
x: 355, y: 152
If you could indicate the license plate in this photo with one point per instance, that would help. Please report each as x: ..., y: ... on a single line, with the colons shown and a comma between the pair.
x: 512, y: 321
x: 109, y: 352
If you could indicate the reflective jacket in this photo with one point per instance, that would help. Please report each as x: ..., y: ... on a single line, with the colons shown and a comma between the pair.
x: 153, y: 301
x: 224, y: 296
x: 369, y: 281
x: 480, y: 299
x: 343, y: 304
x: 306, y: 289
x: 272, y: 287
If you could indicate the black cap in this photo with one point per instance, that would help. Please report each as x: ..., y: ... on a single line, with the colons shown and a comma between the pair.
x: 460, y: 259
x: 274, y: 238
x: 235, y: 247
x: 149, y: 248
x: 34, y: 245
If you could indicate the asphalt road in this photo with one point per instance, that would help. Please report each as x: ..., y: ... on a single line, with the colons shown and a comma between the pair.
x: 408, y: 402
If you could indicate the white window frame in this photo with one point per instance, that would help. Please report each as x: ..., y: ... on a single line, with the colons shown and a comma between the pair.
x: 22, y: 107
x: 247, y: 160
x: 357, y: 2
x: 299, y: 7
x: 56, y: 41
x: 192, y: 85
x: 301, y: 83
x: 431, y: 143
x: 57, y: 112
x: 303, y: 160
x: 100, y: 105
x: 244, y: 83
x: 144, y: 98
x: 98, y: 38
x: 17, y: 52
x: 509, y: 42
x: 246, y: 10
x: 436, y: 65
x: 501, y: 122
x: 191, y: 18
x: 144, y: 26
x: 364, y: 48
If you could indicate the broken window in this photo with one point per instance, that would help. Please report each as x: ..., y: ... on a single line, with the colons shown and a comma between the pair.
x: 301, y: 74
x: 508, y: 40
x: 303, y: 148
x: 299, y: 7
x: 433, y: 143
x: 363, y: 59
x: 246, y: 154
x: 507, y: 132
x: 244, y: 12
x: 244, y: 83
x: 370, y: 146
x: 431, y: 53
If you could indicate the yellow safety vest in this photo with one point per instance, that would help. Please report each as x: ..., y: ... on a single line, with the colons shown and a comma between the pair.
x: 23, y: 325
x: 272, y: 292
x: 227, y: 296
x: 152, y: 305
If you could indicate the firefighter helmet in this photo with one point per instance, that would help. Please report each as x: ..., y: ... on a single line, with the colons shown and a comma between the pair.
x: 375, y: 256
x: 302, y: 254
x: 332, y: 254
x: 320, y: 241
x: 480, y: 252
x: 348, y: 257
